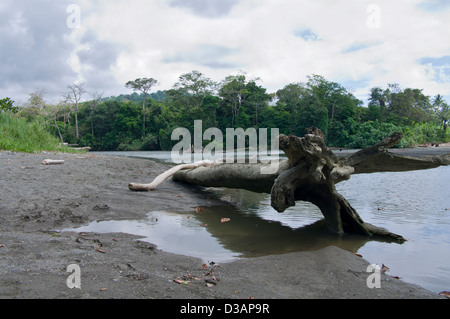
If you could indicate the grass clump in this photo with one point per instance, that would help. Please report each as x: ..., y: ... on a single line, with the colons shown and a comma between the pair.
x: 19, y: 135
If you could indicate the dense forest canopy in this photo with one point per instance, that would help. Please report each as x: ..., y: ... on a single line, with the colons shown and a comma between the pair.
x: 144, y: 120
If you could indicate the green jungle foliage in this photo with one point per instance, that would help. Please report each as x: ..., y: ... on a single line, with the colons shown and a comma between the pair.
x: 117, y: 123
x: 17, y: 134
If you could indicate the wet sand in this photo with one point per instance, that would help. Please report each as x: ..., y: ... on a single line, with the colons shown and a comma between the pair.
x: 37, y: 201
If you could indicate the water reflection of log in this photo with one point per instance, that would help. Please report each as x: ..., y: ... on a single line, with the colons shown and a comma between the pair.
x: 250, y: 235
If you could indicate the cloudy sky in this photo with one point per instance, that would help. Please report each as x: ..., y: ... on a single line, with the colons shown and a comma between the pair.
x: 47, y: 45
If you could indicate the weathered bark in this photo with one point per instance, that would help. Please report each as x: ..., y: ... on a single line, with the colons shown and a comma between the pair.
x: 385, y: 161
x: 310, y: 174
x: 162, y: 177
x: 378, y: 148
x: 234, y: 175
x: 378, y: 159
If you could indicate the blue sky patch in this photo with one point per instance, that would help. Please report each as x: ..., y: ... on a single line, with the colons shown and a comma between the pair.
x: 358, y: 46
x: 434, y: 5
x: 440, y: 66
x: 442, y: 61
x: 355, y: 47
x: 307, y: 35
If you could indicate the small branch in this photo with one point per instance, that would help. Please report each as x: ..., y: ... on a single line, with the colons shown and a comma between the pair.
x: 52, y: 162
x: 162, y: 177
x: 380, y: 147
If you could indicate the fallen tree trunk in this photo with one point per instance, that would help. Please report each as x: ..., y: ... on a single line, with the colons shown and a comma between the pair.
x: 310, y: 174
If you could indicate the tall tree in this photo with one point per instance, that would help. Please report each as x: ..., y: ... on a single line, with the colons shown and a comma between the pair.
x: 377, y: 97
x: 96, y: 97
x: 289, y: 96
x: 194, y: 86
x: 52, y: 112
x: 7, y: 105
x: 143, y: 85
x: 37, y: 100
x: 339, y: 102
x: 291, y: 100
x: 442, y: 111
x: 256, y: 101
x: 409, y: 105
x: 233, y: 92
x: 73, y: 96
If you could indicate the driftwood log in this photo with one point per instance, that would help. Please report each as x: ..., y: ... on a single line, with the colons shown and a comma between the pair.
x: 162, y: 177
x: 310, y: 174
x: 52, y: 162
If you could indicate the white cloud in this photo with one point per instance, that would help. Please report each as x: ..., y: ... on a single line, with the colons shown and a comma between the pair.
x: 206, y: 8
x: 279, y: 41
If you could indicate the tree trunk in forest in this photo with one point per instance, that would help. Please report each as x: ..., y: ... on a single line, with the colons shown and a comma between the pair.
x: 77, y: 135
x: 143, y: 118
x: 57, y: 128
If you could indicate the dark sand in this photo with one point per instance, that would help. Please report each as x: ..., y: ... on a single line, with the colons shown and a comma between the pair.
x: 37, y: 200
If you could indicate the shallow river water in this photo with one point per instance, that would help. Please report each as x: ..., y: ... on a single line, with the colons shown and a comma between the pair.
x: 413, y: 204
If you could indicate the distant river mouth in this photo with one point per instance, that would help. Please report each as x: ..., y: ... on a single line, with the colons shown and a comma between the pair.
x: 413, y: 204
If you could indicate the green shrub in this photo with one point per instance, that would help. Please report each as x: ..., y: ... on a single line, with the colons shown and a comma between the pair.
x: 19, y: 135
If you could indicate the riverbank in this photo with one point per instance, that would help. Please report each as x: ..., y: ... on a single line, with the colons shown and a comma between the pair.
x: 37, y: 201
